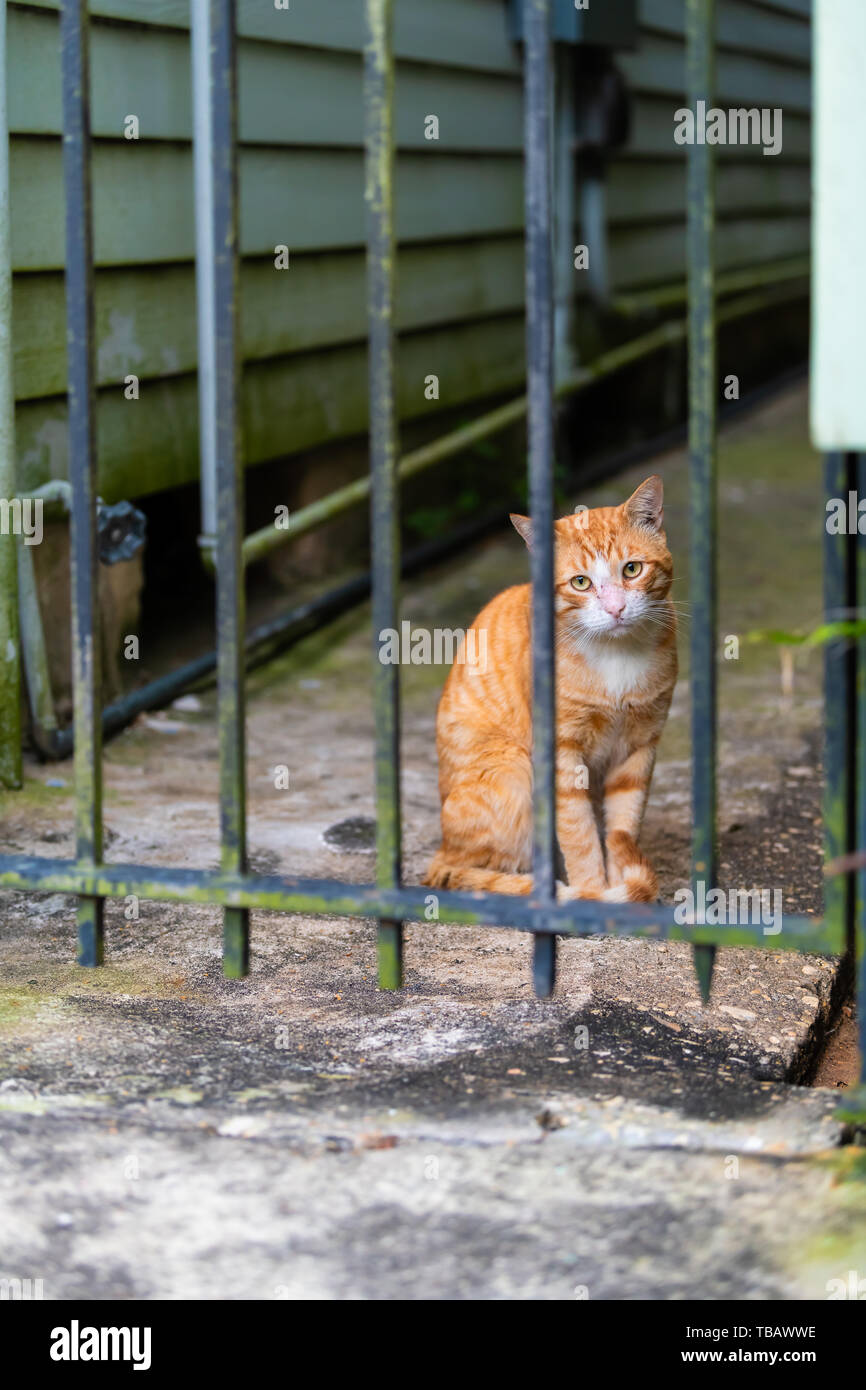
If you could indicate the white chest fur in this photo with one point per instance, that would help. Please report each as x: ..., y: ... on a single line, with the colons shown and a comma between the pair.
x: 621, y: 667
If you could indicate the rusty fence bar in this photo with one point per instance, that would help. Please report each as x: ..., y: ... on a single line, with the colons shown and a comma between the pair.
x: 384, y: 505
x: 703, y: 555
x: 10, y: 643
x: 840, y: 734
x: 844, y: 808
x: 229, y: 477
x: 538, y: 72
x: 86, y: 653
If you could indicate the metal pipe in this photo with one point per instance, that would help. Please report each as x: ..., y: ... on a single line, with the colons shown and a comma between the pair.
x: 384, y: 497
x: 86, y: 644
x: 540, y: 419
x: 225, y: 426
x: 564, y: 192
x: 204, y: 268
x: 43, y: 719
x: 703, y: 558
x: 728, y: 282
x: 10, y: 643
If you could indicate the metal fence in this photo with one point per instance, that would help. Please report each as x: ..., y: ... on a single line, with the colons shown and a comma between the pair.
x: 388, y: 900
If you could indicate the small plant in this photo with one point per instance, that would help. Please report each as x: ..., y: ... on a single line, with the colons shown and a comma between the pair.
x: 843, y: 629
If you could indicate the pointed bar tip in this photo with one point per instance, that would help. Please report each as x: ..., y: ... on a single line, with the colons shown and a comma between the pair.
x: 704, y: 958
x: 544, y: 964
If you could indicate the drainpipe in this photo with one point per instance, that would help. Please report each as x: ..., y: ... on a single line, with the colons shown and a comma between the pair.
x: 205, y: 273
x: 565, y: 355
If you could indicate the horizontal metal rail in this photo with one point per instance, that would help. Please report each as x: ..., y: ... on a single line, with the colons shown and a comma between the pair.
x: 270, y: 893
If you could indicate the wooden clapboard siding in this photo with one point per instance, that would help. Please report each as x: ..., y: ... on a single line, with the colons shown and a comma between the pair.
x: 307, y: 398
x: 459, y: 218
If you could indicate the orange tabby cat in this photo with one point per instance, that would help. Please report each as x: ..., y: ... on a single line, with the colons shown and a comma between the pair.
x: 616, y: 665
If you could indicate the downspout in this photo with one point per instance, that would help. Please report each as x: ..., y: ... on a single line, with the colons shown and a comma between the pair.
x: 565, y: 355
x: 204, y: 274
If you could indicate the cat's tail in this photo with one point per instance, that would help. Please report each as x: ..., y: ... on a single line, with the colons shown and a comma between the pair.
x: 445, y: 874
x: 639, y: 883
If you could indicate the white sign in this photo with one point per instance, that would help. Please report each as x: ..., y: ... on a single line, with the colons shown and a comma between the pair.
x: 838, y: 375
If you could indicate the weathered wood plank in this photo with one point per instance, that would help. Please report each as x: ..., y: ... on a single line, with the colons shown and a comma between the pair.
x: 476, y: 110
x: 742, y: 79
x: 144, y: 214
x: 466, y: 33
x: 740, y: 25
x: 145, y: 318
x: 143, y: 194
x: 641, y: 256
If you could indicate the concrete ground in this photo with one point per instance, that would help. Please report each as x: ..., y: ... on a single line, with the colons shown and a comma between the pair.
x: 165, y: 1133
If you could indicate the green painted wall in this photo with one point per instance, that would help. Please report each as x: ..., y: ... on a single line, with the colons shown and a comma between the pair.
x: 459, y: 211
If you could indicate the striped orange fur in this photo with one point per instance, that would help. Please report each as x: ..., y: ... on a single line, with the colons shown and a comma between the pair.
x: 616, y: 665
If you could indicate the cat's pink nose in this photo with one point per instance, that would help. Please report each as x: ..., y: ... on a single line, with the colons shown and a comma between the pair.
x: 612, y: 599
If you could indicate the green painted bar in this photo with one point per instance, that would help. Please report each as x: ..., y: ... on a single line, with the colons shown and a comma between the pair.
x: 540, y: 431
x: 86, y: 644
x: 308, y: 897
x: 10, y: 645
x: 700, y: 64
x: 226, y: 433
x: 839, y: 697
x: 384, y: 496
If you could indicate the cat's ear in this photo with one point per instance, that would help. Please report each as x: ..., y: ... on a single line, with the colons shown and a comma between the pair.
x: 523, y: 526
x: 646, y: 506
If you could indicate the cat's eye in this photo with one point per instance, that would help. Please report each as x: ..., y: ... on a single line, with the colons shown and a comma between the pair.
x: 581, y: 582
x: 632, y: 569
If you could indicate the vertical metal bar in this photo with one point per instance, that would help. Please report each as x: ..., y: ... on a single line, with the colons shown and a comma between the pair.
x: 86, y: 644
x: 857, y: 922
x: 700, y: 64
x: 10, y: 646
x: 384, y: 523
x: 838, y: 739
x: 229, y: 476
x: 539, y: 368
x: 204, y: 264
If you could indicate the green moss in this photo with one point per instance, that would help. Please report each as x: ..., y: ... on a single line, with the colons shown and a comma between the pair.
x: 35, y: 795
